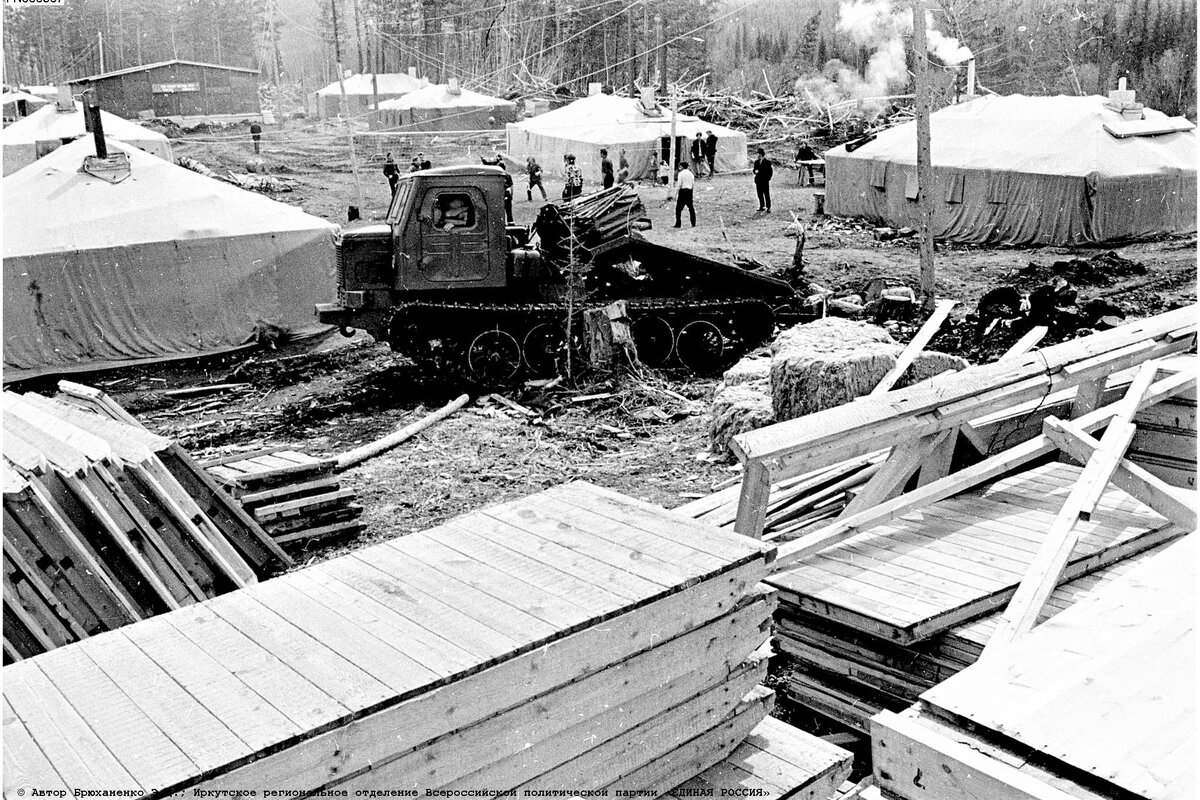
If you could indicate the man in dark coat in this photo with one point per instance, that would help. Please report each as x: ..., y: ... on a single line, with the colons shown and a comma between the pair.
x: 698, y: 156
x: 806, y: 153
x: 606, y: 169
x: 710, y: 153
x: 763, y: 171
x: 392, y: 173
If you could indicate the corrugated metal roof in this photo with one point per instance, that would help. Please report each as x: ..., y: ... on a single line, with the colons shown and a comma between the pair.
x: 144, y: 67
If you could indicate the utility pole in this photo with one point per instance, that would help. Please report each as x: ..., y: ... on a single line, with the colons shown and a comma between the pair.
x: 674, y: 144
x: 662, y: 57
x: 632, y: 52
x: 924, y: 163
x: 344, y: 106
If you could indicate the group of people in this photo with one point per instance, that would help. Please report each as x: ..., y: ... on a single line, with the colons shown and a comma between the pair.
x: 391, y: 170
x: 703, y: 153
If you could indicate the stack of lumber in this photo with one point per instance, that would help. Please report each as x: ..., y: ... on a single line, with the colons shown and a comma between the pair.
x: 292, y: 495
x: 1097, y: 702
x: 596, y: 219
x: 873, y: 621
x: 106, y: 523
x: 1165, y: 442
x: 574, y: 641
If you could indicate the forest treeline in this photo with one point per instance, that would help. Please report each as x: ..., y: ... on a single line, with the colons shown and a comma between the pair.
x: 516, y: 46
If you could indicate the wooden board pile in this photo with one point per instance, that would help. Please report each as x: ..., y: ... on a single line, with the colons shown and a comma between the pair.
x: 1097, y: 702
x: 595, y: 219
x: 848, y: 675
x: 295, y: 497
x: 106, y: 523
x: 574, y: 641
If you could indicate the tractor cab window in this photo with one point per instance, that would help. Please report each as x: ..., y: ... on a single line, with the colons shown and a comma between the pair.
x: 453, y: 212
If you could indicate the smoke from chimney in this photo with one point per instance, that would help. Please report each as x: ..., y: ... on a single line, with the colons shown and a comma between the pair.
x: 874, y: 24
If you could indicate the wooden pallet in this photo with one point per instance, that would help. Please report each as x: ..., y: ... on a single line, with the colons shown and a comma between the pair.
x: 292, y: 495
x: 605, y: 637
x: 106, y: 523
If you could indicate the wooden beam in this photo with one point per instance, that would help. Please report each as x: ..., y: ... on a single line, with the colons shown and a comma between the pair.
x: 752, y: 505
x: 904, y: 460
x: 914, y: 348
x: 962, y: 480
x: 1047, y: 565
x: 1026, y: 342
x: 874, y: 423
x: 1167, y: 500
x: 936, y: 465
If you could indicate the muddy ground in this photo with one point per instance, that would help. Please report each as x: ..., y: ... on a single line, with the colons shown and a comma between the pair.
x: 647, y: 439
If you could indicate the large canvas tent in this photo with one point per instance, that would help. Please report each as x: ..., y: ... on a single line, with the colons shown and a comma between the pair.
x: 362, y: 91
x: 164, y: 264
x: 1021, y: 170
x: 439, y: 107
x: 617, y: 123
x: 47, y: 129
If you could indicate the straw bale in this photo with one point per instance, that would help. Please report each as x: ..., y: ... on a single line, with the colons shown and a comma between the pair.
x: 751, y: 369
x: 737, y: 409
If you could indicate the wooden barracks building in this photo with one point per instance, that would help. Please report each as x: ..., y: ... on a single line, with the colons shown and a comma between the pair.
x: 176, y: 89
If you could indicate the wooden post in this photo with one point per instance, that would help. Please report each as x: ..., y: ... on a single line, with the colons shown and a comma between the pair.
x: 674, y: 145
x: 924, y: 165
x: 343, y: 106
x: 662, y: 60
x: 632, y: 52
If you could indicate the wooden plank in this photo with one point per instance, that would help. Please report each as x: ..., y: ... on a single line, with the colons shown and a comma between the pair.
x: 204, y: 738
x: 1026, y: 342
x: 49, y: 576
x: 495, y: 683
x: 318, y: 486
x: 233, y: 458
x: 383, y: 660
x: 702, y: 751
x: 754, y: 498
x: 960, y: 481
x: 1045, y: 571
x: 301, y: 506
x: 151, y: 757
x: 1164, y: 499
x: 913, y: 349
x: 78, y: 756
x: 35, y: 615
x: 297, y: 698
x: 246, y: 713
x: 620, y: 758
x: 99, y: 401
x: 915, y: 762
x: 439, y: 650
x: 344, y: 528
x: 634, y: 513
x: 25, y: 765
x: 901, y: 463
x: 505, y: 744
x: 251, y: 541
x: 844, y: 431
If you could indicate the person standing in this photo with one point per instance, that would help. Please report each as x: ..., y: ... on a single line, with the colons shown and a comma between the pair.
x: 806, y: 153
x: 415, y: 166
x: 710, y: 153
x: 685, y: 186
x: 392, y: 173
x: 256, y: 135
x: 697, y: 155
x: 623, y: 169
x: 534, y: 170
x: 425, y: 162
x: 574, y: 186
x: 763, y: 171
x: 606, y: 169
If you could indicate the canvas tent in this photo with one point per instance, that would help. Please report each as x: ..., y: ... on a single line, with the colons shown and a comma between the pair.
x: 618, y: 123
x: 362, y: 92
x: 439, y: 107
x: 164, y: 264
x: 47, y: 129
x: 20, y: 104
x: 1021, y: 170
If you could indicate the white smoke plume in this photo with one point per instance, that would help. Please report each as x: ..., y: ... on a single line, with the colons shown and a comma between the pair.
x: 874, y: 24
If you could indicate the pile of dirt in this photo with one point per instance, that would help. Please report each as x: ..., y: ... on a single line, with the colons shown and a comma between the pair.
x: 1102, y: 269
